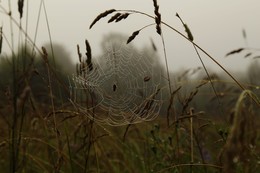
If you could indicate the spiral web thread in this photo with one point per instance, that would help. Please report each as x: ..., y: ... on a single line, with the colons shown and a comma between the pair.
x: 122, y: 88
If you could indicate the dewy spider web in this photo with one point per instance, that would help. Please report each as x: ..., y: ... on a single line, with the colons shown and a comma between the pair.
x: 123, y: 87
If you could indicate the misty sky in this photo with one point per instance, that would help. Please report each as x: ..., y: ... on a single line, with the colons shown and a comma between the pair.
x: 216, y: 26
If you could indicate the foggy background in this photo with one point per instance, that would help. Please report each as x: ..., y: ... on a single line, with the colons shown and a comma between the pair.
x: 216, y: 26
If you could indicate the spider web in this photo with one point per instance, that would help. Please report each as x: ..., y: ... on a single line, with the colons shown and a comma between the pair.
x: 122, y: 88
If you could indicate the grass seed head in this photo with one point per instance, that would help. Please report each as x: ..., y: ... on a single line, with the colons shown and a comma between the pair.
x: 147, y: 78
x: 113, y: 18
x: 20, y: 7
x: 88, y: 50
x: 158, y: 29
x: 157, y: 17
x: 132, y: 36
x: 89, y: 56
x: 123, y: 16
x: 100, y: 16
x: 79, y: 53
x: 235, y: 51
x: 45, y: 54
x: 187, y: 29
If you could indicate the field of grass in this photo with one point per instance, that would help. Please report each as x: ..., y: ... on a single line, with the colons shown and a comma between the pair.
x: 53, y: 121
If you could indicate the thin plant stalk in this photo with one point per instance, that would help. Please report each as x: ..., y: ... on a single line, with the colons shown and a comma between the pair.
x: 45, y: 58
x: 13, y: 158
x: 49, y: 32
x: 191, y: 141
x: 51, y: 44
x: 36, y: 29
x: 166, y: 63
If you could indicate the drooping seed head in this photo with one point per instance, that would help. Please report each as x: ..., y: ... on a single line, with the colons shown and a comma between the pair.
x: 123, y: 16
x: 100, y: 16
x: 132, y: 36
x: 113, y: 18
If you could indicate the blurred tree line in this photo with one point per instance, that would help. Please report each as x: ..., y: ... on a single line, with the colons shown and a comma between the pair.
x: 33, y: 86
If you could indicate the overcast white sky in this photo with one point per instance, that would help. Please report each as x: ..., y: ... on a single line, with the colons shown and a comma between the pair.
x: 216, y: 26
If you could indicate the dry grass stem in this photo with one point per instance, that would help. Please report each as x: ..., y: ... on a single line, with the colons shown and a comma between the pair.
x: 171, y: 104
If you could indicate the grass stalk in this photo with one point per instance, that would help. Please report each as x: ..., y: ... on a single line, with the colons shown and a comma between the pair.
x: 191, y: 141
x: 166, y: 64
x: 13, y: 138
x: 56, y: 131
x: 69, y: 149
x: 36, y: 29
